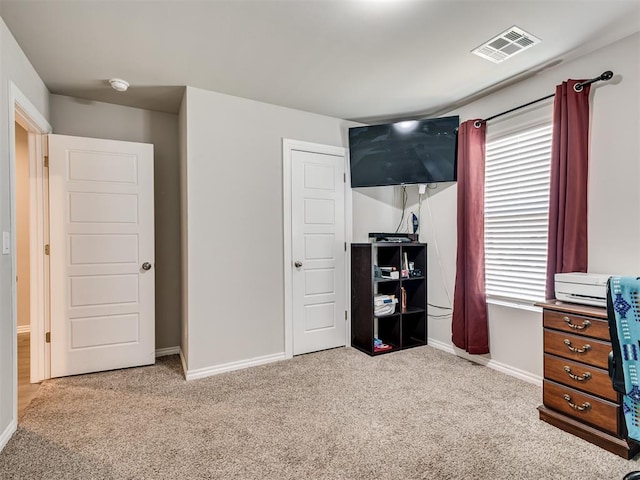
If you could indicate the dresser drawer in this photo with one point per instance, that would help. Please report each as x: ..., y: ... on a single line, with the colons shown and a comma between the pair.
x: 580, y: 376
x: 582, y: 406
x: 577, y: 324
x: 574, y: 347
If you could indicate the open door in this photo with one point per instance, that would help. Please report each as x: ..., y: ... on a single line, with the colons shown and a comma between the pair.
x: 101, y: 255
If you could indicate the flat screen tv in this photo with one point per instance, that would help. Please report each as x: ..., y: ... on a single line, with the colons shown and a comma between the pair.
x: 401, y: 153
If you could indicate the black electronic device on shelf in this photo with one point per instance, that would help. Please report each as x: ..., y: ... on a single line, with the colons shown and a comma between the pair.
x: 393, y: 237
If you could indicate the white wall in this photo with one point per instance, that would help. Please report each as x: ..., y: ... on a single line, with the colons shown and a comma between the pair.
x: 22, y: 225
x: 85, y: 118
x: 515, y: 335
x: 235, y: 300
x: 376, y: 209
x: 14, y: 67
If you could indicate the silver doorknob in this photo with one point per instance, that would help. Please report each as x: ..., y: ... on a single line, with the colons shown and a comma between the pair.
x: 298, y: 263
x: 146, y: 266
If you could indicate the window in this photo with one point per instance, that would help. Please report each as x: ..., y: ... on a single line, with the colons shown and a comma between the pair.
x: 517, y: 211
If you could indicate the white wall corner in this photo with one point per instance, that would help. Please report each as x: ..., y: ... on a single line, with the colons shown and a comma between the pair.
x: 230, y: 367
x: 183, y: 361
x: 487, y: 362
x: 7, y: 434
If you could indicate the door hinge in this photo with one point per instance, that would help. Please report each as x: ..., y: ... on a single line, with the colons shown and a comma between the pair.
x: 46, y: 162
x: 344, y: 177
x: 345, y: 315
x: 345, y: 246
x: 46, y: 249
x: 47, y: 337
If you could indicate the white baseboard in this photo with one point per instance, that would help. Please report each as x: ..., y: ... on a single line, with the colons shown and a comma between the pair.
x: 487, y: 362
x: 23, y: 328
x: 163, y: 352
x: 229, y: 367
x: 6, y: 435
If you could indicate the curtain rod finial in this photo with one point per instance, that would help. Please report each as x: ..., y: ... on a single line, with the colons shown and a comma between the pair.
x: 608, y: 75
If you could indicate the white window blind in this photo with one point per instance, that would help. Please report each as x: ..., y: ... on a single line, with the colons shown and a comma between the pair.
x: 516, y: 213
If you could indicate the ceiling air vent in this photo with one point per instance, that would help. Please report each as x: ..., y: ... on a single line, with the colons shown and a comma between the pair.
x: 507, y: 44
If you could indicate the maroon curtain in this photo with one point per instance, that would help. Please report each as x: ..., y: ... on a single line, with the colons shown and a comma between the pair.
x: 469, y: 324
x: 567, y: 244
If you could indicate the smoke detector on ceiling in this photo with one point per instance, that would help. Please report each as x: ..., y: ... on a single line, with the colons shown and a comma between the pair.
x: 119, y: 84
x: 510, y: 42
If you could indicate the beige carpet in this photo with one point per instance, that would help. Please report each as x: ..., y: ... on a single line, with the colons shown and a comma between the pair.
x: 338, y: 414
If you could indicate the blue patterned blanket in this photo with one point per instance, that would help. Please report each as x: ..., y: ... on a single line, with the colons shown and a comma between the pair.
x: 625, y: 302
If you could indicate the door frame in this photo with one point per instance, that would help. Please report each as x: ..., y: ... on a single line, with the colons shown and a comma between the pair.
x: 22, y: 111
x: 288, y: 146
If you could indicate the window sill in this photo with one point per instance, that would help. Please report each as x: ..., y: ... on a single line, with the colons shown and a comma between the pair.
x: 513, y: 303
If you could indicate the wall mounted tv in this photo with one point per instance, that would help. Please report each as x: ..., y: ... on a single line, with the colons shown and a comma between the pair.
x: 409, y: 152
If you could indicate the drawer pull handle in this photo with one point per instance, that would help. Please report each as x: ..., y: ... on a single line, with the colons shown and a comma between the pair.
x: 585, y: 324
x: 577, y: 378
x: 579, y: 408
x: 584, y: 349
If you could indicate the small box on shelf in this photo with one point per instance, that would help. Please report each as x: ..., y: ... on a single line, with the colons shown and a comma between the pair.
x: 384, y: 305
x: 390, y: 273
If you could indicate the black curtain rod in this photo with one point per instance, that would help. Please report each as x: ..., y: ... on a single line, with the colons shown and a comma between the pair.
x: 577, y: 87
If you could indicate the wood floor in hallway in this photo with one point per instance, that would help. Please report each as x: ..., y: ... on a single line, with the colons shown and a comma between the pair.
x: 26, y: 390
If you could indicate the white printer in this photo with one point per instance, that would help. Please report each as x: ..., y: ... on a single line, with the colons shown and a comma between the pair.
x: 584, y: 288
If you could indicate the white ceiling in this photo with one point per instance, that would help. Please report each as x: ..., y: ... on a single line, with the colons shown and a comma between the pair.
x: 360, y: 59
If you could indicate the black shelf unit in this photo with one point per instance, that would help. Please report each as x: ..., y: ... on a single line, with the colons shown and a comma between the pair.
x: 405, y: 328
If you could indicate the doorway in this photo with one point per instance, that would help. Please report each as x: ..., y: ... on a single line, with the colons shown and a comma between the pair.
x: 27, y: 130
x: 26, y: 390
x: 111, y: 177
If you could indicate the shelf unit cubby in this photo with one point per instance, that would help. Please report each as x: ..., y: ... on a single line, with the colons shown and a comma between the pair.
x: 406, y: 327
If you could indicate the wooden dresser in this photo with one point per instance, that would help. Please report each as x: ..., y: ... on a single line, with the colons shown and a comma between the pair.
x: 577, y: 393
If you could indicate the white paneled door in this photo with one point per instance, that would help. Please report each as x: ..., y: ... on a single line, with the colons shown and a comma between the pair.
x: 318, y: 253
x: 101, y: 255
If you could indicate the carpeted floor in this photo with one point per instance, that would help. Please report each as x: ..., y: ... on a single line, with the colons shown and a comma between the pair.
x: 338, y: 414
